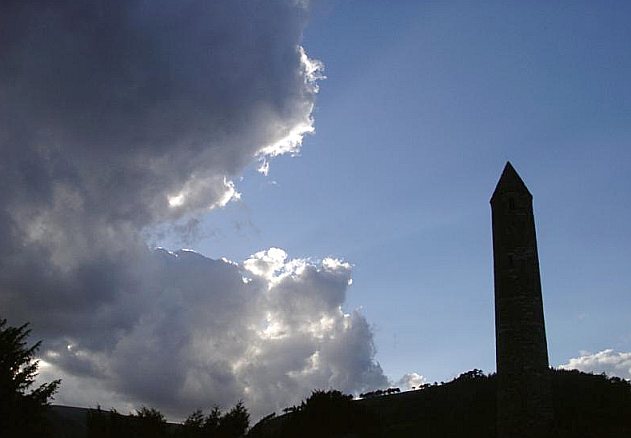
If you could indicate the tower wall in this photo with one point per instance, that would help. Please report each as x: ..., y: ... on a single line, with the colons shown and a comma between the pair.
x: 524, y: 402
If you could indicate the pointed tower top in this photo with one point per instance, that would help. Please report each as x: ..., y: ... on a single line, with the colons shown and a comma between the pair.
x: 510, y: 181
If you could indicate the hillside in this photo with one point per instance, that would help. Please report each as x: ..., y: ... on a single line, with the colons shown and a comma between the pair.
x: 586, y: 406
x: 68, y: 421
x: 74, y: 422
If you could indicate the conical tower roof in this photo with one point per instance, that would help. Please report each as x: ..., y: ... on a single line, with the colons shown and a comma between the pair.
x: 510, y: 181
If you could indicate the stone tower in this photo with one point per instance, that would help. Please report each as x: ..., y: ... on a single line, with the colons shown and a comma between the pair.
x: 524, y: 402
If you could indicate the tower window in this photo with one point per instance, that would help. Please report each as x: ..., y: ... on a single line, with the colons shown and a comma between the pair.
x: 511, y: 203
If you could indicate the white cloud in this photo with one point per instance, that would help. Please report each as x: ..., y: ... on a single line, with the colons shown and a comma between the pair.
x: 268, y: 264
x: 607, y: 361
x: 410, y: 381
x: 291, y: 141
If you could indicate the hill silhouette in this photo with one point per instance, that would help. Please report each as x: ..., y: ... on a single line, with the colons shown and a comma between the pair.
x: 585, y: 406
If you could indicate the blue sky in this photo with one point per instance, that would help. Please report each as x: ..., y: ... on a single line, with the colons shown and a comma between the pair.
x: 423, y: 104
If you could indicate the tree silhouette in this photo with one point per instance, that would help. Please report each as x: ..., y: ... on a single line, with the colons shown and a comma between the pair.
x: 145, y: 423
x: 211, y: 422
x: 232, y: 424
x: 102, y: 424
x: 193, y: 425
x: 235, y: 422
x: 21, y: 408
x: 330, y: 414
x: 149, y: 423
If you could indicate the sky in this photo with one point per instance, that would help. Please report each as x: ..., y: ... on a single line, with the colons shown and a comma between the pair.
x: 316, y: 177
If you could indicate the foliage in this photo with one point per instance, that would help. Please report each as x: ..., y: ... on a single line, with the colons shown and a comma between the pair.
x: 379, y: 392
x: 146, y: 422
x: 194, y: 424
x: 149, y: 423
x: 235, y: 422
x: 101, y: 424
x: 211, y: 422
x: 232, y: 424
x: 22, y: 409
x: 586, y: 405
x: 198, y: 426
x: 470, y: 375
x: 326, y: 413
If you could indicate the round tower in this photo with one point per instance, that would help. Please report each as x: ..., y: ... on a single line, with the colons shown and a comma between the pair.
x: 524, y: 402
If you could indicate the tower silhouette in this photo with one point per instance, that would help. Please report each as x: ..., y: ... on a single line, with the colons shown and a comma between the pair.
x: 524, y: 402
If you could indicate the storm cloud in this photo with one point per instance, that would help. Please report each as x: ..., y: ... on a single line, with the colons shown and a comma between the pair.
x: 117, y: 117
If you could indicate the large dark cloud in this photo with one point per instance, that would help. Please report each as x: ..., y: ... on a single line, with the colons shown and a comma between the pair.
x: 121, y: 117
x: 117, y: 116
x: 115, y: 107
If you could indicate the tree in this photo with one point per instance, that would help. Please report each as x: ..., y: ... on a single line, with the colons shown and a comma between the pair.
x: 331, y: 414
x: 199, y: 426
x: 21, y: 408
x: 150, y: 423
x: 232, y: 424
x: 235, y: 422
x: 211, y: 422
x: 104, y: 424
x: 193, y: 425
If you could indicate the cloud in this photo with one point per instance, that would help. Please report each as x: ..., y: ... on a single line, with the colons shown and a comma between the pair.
x: 119, y: 117
x: 607, y: 361
x: 207, y: 334
x: 411, y: 380
x: 122, y: 119
x: 143, y: 111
